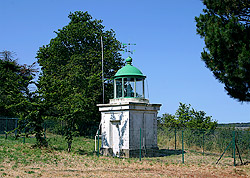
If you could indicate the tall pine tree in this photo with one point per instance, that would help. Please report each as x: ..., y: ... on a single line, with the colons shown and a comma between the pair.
x: 225, y: 27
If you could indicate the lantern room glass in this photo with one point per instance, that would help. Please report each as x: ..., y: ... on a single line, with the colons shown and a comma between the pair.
x: 118, y: 88
x: 129, y: 88
x: 139, y: 88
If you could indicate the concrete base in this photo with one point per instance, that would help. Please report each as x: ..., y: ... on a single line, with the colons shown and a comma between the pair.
x: 149, y: 152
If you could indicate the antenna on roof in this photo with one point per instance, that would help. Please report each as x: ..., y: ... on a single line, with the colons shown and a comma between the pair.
x: 127, y: 46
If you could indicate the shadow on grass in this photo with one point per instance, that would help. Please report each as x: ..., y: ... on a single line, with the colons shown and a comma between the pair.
x: 150, y: 153
x: 244, y: 163
x: 84, y: 152
x: 58, y: 148
x: 166, y: 152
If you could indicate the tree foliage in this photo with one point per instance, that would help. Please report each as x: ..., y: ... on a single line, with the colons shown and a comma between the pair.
x: 225, y: 27
x: 187, y: 117
x: 14, y: 82
x: 16, y: 99
x: 70, y: 84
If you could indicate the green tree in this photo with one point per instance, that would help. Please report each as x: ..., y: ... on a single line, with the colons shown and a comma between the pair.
x: 187, y: 117
x: 31, y: 119
x: 167, y: 120
x: 14, y: 82
x: 70, y: 84
x: 225, y: 27
x: 16, y: 99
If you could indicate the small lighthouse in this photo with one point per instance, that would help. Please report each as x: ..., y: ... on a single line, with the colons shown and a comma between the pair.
x: 129, y: 121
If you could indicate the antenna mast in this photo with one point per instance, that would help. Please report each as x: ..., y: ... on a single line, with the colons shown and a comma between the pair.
x: 102, y: 73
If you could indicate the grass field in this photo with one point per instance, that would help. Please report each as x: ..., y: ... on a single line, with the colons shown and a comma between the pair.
x: 22, y: 160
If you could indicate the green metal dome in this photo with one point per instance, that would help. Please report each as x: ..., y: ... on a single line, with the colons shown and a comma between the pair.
x: 129, y: 71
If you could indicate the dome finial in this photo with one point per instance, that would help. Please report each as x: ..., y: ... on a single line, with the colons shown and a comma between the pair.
x: 129, y: 60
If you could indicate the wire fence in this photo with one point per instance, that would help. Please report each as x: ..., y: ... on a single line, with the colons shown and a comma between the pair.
x: 52, y: 126
x: 220, y: 146
x: 225, y: 146
x: 59, y: 127
x: 8, y: 124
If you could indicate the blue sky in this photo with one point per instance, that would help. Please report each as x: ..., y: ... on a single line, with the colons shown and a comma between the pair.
x: 167, y: 47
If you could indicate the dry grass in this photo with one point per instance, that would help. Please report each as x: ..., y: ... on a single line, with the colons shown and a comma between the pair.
x: 74, y: 165
x: 21, y: 160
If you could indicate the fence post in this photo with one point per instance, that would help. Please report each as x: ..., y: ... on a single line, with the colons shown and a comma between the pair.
x: 6, y: 128
x: 182, y: 147
x: 175, y: 140
x: 98, y: 143
x: 248, y: 150
x: 203, y: 141
x: 44, y: 125
x: 15, y: 128
x: 61, y: 127
x: 24, y: 135
x: 140, y: 146
x: 234, y: 147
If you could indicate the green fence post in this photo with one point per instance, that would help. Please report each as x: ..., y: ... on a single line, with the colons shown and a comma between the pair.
x: 248, y: 147
x: 15, y: 128
x: 98, y: 143
x: 234, y: 147
x: 203, y: 141
x: 62, y: 128
x: 175, y: 140
x: 140, y: 146
x: 44, y: 125
x: 24, y: 135
x: 182, y: 147
x: 6, y: 128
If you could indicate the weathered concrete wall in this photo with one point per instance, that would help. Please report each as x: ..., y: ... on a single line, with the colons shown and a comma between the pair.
x: 147, y: 122
x: 115, y: 130
x: 121, y: 123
